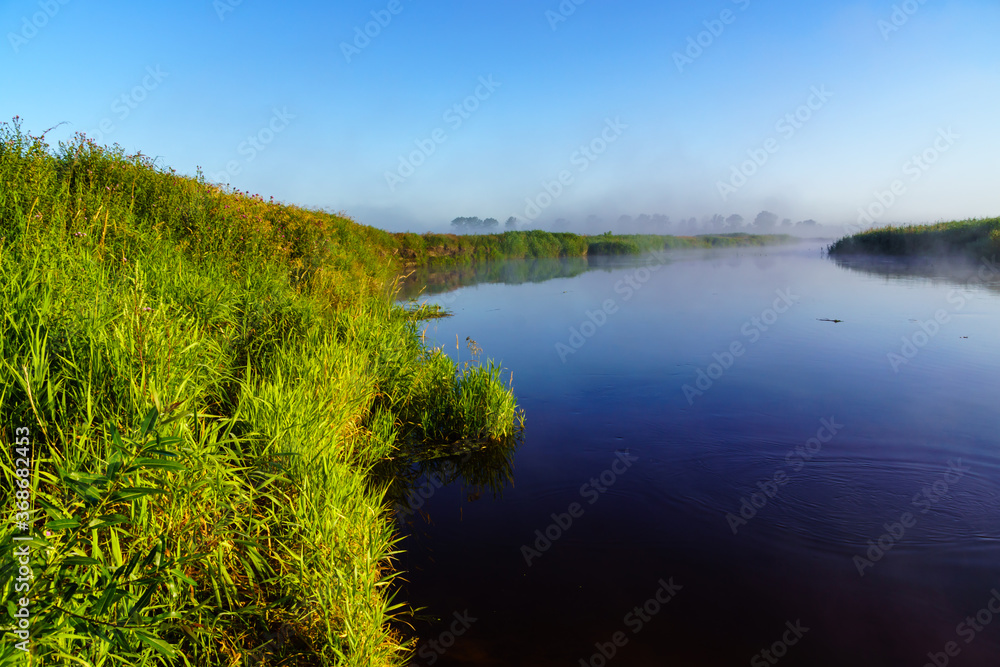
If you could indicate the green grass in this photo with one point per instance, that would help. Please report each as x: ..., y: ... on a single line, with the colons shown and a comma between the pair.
x: 210, y: 380
x: 975, y: 238
x: 426, y: 311
x: 537, y: 244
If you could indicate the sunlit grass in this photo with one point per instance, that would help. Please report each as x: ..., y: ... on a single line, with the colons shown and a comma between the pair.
x: 208, y: 377
x: 976, y: 238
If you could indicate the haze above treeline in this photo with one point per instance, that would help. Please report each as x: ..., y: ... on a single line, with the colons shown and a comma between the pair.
x: 764, y: 222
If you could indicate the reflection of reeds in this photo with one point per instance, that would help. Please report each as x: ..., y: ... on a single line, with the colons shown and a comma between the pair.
x: 945, y: 270
x: 436, y: 276
x: 479, y: 465
x: 435, y: 279
x: 426, y: 311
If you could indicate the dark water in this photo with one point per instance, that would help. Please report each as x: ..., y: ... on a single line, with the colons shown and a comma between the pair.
x: 753, y: 509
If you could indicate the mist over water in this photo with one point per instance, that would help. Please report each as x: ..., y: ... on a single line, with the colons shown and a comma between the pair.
x: 714, y: 466
x: 762, y: 222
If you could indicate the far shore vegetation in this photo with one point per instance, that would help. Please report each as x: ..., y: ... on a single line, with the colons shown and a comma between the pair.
x: 974, y: 239
x: 538, y: 244
x: 215, y: 401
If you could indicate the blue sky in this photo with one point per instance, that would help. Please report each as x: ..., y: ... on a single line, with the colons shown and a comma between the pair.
x: 682, y: 107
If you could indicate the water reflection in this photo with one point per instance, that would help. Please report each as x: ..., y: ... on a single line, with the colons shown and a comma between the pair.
x: 984, y: 271
x: 445, y: 278
x: 475, y: 467
x: 442, y: 278
x: 909, y: 483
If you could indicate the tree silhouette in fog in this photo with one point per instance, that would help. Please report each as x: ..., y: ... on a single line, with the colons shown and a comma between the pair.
x: 715, y: 224
x: 765, y: 220
x: 474, y: 224
x: 467, y: 223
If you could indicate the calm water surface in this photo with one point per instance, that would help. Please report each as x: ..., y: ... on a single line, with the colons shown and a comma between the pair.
x: 709, y: 471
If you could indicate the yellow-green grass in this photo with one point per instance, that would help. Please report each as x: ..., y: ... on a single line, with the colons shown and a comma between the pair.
x: 973, y: 238
x: 208, y: 379
x: 538, y: 244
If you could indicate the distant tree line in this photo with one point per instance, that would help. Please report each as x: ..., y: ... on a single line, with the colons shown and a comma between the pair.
x: 765, y: 222
x: 489, y: 225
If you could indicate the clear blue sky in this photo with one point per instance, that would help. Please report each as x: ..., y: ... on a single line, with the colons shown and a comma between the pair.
x: 330, y: 121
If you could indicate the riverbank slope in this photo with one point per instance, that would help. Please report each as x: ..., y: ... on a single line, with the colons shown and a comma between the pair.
x: 194, y: 386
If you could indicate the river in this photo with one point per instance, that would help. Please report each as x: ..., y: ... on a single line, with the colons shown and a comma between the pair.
x: 744, y: 456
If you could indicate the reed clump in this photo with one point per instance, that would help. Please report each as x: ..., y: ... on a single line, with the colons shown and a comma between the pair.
x: 976, y: 238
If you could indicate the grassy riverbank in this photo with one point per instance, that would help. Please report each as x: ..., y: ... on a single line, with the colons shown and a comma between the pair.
x: 206, y: 379
x: 975, y: 238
